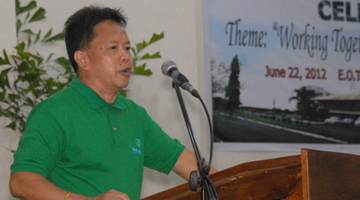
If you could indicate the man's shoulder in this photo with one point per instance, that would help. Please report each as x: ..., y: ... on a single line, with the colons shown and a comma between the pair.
x: 59, y: 101
x: 129, y: 103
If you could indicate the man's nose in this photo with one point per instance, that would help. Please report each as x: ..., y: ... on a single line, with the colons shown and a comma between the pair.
x: 125, y: 56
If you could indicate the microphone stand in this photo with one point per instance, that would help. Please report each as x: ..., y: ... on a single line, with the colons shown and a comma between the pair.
x: 207, y: 187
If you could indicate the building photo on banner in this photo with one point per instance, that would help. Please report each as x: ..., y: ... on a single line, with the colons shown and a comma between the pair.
x: 285, y: 75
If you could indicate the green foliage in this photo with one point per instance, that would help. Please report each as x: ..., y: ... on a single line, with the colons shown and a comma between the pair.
x: 233, y: 88
x: 307, y: 108
x: 26, y: 76
x: 141, y: 69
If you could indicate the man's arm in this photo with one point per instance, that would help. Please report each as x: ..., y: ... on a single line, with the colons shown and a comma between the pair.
x: 33, y: 186
x: 187, y: 163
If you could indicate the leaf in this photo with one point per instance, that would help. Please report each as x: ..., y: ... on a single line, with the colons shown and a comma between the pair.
x: 26, y: 8
x: 5, y: 60
x: 32, y: 62
x: 12, y: 126
x: 23, y: 67
x: 156, y: 37
x: 15, y: 57
x: 38, y: 15
x: 38, y: 36
x: 39, y: 59
x: 37, y: 93
x: 12, y: 97
x: 27, y: 16
x: 63, y: 61
x: 28, y: 31
x: 49, y: 57
x: 59, y: 36
x: 2, y: 97
x: 20, y: 47
x: 17, y: 6
x: 20, y: 51
x: 136, y: 58
x: 133, y: 51
x: 140, y: 70
x: 18, y: 25
x: 4, y: 80
x: 12, y: 151
x: 148, y: 56
x: 26, y: 56
x: 140, y: 46
x: 47, y: 34
x: 29, y: 42
x: 29, y: 101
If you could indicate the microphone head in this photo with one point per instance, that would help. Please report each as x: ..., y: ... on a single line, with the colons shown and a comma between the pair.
x: 167, y: 67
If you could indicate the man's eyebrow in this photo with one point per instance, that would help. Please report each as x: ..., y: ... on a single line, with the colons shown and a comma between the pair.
x: 114, y: 41
x: 117, y: 42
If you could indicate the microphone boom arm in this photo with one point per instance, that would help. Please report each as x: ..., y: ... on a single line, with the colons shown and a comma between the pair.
x: 204, y: 180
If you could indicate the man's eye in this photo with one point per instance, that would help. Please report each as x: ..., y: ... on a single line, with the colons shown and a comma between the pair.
x: 114, y: 47
x: 127, y: 48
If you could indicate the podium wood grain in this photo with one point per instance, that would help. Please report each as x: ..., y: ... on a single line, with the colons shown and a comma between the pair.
x: 269, y: 179
x: 313, y: 175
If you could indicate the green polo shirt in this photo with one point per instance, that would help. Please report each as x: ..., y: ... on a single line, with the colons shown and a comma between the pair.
x: 85, y: 145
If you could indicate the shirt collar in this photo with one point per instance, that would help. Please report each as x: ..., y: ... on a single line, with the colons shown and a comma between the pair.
x: 93, y: 98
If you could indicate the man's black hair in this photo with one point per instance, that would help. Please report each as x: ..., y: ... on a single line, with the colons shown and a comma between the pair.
x: 79, y: 28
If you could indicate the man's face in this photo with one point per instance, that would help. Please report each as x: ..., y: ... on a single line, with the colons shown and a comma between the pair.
x: 109, y: 58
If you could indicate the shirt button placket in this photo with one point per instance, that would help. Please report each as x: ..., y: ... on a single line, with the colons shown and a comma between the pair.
x: 112, y: 125
x: 110, y: 119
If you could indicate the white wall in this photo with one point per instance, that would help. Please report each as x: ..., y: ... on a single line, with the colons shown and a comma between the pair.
x: 182, y: 24
x: 8, y: 139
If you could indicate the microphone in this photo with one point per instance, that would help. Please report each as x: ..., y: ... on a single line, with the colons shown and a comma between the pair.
x: 169, y: 68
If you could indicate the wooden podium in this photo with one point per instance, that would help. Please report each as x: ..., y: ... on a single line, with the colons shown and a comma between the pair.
x: 313, y: 175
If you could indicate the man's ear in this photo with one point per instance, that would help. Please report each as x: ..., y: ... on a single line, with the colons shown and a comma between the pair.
x: 81, y: 59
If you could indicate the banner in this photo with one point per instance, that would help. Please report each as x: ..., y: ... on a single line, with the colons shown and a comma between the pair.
x: 285, y: 75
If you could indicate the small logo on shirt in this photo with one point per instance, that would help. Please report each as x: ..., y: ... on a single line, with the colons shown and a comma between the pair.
x: 138, y: 143
x: 136, y: 149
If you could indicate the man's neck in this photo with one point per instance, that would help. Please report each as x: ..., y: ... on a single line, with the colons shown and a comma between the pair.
x: 106, y: 94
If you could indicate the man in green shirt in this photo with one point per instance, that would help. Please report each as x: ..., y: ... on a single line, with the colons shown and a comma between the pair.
x: 87, y: 141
